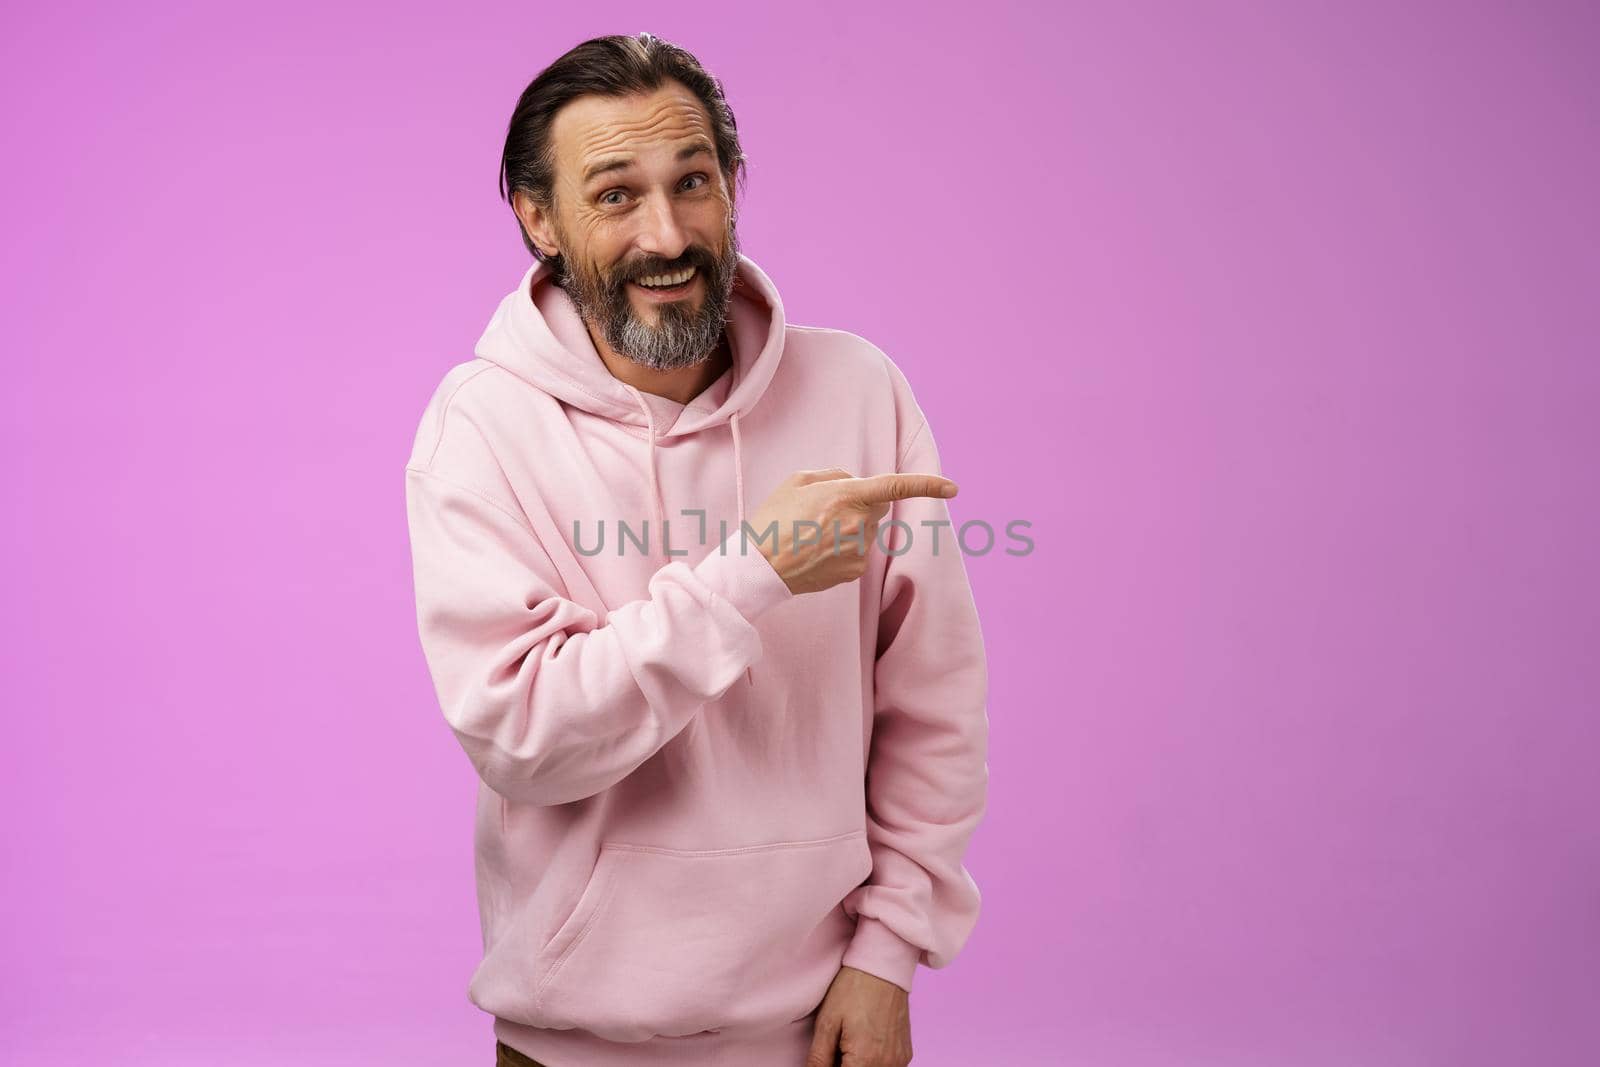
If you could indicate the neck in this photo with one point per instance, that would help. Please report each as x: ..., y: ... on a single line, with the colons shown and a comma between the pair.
x: 680, y: 385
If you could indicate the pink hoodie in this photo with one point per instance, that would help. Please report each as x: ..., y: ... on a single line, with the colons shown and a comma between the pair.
x: 701, y: 793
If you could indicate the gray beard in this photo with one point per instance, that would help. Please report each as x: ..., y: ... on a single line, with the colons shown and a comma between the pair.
x: 682, y: 337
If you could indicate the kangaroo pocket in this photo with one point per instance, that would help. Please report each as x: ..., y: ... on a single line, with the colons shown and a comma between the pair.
x: 671, y: 942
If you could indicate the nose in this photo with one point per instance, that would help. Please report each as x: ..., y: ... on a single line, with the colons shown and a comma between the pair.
x: 663, y: 234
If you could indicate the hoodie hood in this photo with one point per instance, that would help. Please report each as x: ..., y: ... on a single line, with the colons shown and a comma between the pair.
x: 537, y: 334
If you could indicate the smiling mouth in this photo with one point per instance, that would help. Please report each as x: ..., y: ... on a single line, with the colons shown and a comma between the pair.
x: 668, y: 290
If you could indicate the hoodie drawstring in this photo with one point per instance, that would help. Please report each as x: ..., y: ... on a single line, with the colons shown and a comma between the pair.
x: 660, y: 505
x: 656, y: 500
x: 738, y: 491
x: 738, y: 466
x: 655, y: 483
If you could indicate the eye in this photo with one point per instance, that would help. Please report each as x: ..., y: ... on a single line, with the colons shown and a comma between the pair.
x: 697, y: 174
x: 610, y: 192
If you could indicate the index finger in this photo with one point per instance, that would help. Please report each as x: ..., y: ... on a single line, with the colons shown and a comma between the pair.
x: 883, y: 488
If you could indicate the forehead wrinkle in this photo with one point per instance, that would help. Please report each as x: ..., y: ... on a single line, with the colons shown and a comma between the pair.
x: 607, y: 137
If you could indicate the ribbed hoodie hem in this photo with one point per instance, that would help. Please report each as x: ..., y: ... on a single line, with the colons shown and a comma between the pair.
x: 783, y: 1046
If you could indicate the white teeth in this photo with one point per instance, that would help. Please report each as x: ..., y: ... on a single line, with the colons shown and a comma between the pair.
x: 667, y: 281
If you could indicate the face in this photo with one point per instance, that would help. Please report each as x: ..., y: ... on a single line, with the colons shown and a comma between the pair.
x: 639, y: 195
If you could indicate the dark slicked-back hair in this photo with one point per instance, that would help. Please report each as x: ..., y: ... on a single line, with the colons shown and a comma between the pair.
x: 617, y: 65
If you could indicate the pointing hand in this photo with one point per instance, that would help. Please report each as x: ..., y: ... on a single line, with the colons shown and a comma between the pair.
x: 821, y: 557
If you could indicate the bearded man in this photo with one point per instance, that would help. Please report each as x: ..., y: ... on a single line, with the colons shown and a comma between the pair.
x: 727, y: 779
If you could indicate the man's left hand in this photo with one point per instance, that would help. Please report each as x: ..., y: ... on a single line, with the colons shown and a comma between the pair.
x: 863, y: 1019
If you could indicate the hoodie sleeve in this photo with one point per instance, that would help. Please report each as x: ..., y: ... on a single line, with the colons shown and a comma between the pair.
x: 549, y: 705
x: 927, y: 771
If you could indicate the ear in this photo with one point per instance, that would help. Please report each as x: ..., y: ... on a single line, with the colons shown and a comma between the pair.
x: 535, y: 223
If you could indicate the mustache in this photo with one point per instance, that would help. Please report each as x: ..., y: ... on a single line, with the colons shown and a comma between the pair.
x: 698, y: 258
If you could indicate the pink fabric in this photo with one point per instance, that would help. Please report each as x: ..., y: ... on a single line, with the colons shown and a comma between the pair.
x: 701, y: 793
x: 775, y: 1047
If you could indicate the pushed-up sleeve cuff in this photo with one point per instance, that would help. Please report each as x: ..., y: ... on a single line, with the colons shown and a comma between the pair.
x: 880, y: 951
x: 739, y: 573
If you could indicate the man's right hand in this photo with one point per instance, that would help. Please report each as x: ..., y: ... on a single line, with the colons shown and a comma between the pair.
x: 826, y: 497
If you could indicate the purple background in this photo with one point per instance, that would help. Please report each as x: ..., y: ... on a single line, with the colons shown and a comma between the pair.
x: 1277, y: 321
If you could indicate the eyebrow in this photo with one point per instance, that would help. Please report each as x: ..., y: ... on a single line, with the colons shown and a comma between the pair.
x: 613, y: 163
